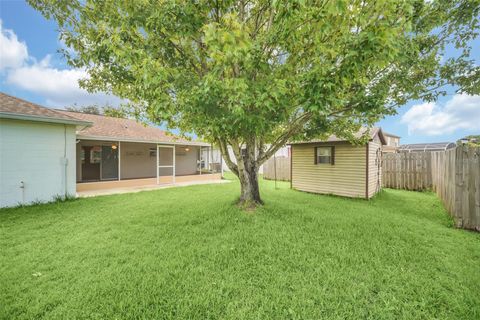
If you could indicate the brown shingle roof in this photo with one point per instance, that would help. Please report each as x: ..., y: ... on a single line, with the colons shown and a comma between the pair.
x: 12, y: 107
x: 110, y: 128
x: 333, y: 138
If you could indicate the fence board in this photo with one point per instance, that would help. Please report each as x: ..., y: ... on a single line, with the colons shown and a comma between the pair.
x: 453, y: 174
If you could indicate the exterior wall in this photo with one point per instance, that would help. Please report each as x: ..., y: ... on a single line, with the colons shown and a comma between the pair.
x: 136, y: 162
x: 345, y: 178
x: 186, y: 161
x: 392, y: 144
x: 374, y: 167
x: 33, y: 152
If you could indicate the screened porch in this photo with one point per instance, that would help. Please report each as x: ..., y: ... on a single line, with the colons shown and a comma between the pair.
x: 117, y: 164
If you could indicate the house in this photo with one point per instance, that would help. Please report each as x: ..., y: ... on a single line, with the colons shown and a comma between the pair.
x: 393, y: 143
x: 47, y: 153
x: 426, y: 147
x: 335, y: 166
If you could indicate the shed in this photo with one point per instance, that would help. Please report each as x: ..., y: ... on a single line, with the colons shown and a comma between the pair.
x: 335, y: 166
x: 37, y: 152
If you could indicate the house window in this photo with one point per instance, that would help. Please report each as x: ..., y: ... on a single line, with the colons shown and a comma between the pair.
x: 324, y: 155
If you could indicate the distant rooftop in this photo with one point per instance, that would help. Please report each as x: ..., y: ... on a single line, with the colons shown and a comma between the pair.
x: 390, y: 135
x: 423, y: 147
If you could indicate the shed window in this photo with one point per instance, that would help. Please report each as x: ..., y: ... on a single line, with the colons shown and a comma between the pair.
x: 324, y: 155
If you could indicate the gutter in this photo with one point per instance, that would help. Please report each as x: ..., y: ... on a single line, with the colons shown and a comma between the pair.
x: 16, y: 116
x: 122, y: 139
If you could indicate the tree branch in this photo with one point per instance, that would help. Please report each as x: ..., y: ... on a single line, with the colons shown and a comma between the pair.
x: 226, y: 156
x: 295, y: 126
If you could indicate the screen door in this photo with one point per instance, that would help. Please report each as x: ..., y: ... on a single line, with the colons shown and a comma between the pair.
x: 165, y: 164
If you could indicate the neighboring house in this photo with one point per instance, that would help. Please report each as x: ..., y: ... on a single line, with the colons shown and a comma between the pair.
x: 426, y: 147
x: 393, y: 143
x: 335, y: 166
x: 46, y: 153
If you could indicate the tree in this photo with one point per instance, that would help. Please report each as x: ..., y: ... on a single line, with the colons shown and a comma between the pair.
x: 93, y: 109
x: 106, y: 110
x: 248, y: 74
x: 472, y: 140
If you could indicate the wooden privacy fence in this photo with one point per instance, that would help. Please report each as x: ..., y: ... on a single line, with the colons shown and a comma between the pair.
x: 409, y: 171
x: 453, y: 174
x: 277, y: 166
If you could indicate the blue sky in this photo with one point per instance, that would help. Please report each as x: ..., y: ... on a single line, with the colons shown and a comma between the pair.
x: 32, y: 69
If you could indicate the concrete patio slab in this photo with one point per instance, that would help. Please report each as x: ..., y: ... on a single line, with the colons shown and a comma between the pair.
x: 94, y: 193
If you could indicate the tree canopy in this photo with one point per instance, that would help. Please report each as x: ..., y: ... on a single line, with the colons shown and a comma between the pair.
x: 106, y: 110
x: 248, y: 74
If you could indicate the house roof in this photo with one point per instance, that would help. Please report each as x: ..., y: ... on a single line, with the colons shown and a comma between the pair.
x: 333, y: 138
x: 121, y: 129
x: 420, y: 147
x: 390, y: 135
x: 15, y: 108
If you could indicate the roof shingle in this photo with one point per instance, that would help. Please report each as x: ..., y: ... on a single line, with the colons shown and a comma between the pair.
x: 110, y: 128
x: 10, y: 105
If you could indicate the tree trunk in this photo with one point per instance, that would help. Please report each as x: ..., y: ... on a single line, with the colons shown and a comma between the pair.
x: 250, y: 192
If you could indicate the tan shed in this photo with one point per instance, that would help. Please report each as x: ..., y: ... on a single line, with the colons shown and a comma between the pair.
x: 335, y: 166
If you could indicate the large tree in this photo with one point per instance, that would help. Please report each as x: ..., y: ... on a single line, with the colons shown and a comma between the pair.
x: 255, y: 74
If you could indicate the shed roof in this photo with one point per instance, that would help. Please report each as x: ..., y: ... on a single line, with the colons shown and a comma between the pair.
x: 15, y: 108
x: 121, y: 129
x: 333, y: 138
x: 421, y: 147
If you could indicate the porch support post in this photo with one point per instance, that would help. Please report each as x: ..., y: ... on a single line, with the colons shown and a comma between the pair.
x: 200, y: 159
x: 208, y: 159
x: 221, y: 163
x: 158, y: 178
x: 119, y: 159
x: 173, y: 164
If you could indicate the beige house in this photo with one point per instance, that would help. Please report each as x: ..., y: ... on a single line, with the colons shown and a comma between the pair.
x: 117, y: 152
x: 335, y: 166
x: 46, y: 154
x: 392, y: 143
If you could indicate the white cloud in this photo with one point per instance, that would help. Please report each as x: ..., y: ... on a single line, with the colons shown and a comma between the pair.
x: 462, y: 112
x: 13, y: 53
x: 59, y: 87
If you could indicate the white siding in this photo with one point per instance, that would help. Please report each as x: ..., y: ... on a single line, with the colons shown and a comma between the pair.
x: 33, y: 152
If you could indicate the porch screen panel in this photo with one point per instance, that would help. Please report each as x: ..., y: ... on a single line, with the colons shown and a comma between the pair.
x: 165, y: 164
x: 109, y: 162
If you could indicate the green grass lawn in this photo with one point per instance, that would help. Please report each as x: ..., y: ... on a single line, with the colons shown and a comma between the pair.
x: 190, y: 253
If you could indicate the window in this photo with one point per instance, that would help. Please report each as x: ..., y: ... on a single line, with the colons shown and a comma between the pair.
x: 324, y: 155
x: 96, y: 154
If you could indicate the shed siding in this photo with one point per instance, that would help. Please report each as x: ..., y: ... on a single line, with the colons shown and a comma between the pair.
x: 374, y: 167
x: 33, y: 152
x: 345, y: 178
